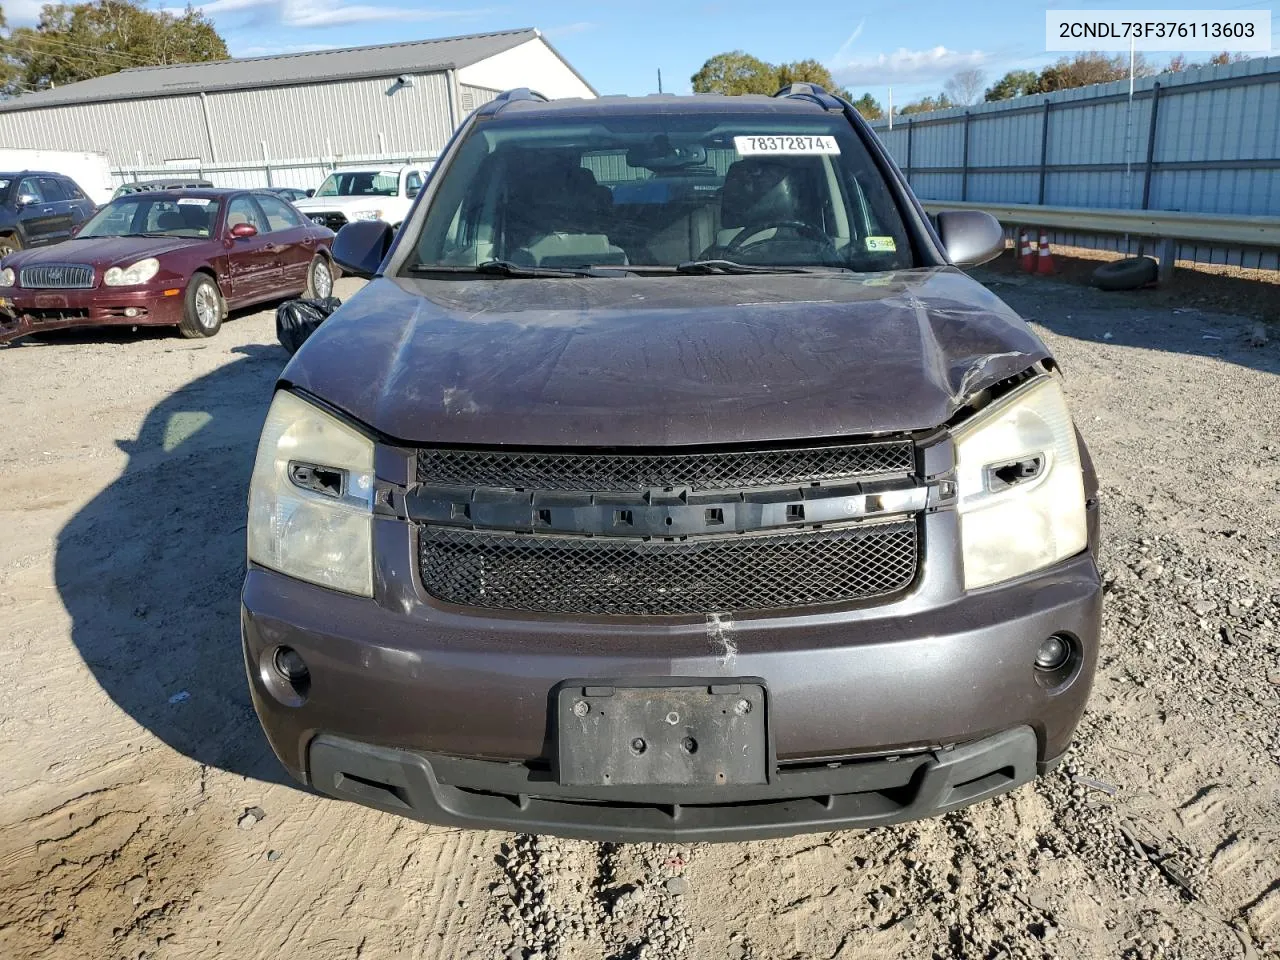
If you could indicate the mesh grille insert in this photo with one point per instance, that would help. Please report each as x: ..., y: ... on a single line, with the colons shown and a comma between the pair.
x: 579, y: 575
x: 720, y: 470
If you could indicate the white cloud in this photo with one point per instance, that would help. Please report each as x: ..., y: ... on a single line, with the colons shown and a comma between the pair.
x: 324, y: 13
x: 842, y: 54
x: 567, y: 29
x: 904, y: 66
x: 276, y: 49
x: 23, y: 13
x: 328, y: 13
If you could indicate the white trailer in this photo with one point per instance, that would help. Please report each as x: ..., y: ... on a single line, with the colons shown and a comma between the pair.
x: 91, y: 171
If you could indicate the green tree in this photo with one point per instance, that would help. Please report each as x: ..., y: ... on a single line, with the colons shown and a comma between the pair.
x: 79, y: 41
x: 1015, y: 83
x: 1089, y: 68
x: 1179, y: 62
x: 805, y: 71
x: 868, y: 106
x: 926, y: 104
x: 736, y: 73
x: 8, y: 71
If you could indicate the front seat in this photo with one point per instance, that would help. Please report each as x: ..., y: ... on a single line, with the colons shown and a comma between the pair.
x: 557, y: 215
x: 170, y: 220
x: 759, y: 191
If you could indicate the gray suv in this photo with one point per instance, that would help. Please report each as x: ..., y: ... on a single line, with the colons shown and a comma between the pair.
x: 38, y: 208
x: 670, y: 479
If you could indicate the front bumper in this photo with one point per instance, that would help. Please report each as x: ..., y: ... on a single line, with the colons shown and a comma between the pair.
x: 481, y: 794
x: 23, y: 311
x: 406, y: 683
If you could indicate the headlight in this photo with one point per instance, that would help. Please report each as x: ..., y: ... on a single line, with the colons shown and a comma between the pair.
x: 6, y: 277
x: 367, y: 215
x: 311, y: 498
x: 1021, y: 490
x: 133, y: 275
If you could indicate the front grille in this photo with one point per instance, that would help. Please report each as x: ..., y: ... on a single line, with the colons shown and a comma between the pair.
x: 334, y: 221
x: 54, y: 315
x: 610, y: 576
x: 57, y: 276
x: 719, y: 470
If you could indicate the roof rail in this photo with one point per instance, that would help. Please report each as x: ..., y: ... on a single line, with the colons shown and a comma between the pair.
x: 811, y: 91
x: 494, y: 106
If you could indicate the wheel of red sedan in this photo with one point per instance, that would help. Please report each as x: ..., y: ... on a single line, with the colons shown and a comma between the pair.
x: 319, y: 279
x: 202, y: 311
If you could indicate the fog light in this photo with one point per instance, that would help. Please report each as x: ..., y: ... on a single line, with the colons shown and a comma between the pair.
x: 130, y: 311
x: 1053, y: 653
x: 293, y: 668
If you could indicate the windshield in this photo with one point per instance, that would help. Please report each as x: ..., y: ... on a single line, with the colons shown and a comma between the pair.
x: 657, y: 190
x: 360, y: 183
x: 142, y: 215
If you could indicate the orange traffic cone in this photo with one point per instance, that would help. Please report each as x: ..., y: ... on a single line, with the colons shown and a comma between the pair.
x: 1025, y: 256
x: 1044, y: 260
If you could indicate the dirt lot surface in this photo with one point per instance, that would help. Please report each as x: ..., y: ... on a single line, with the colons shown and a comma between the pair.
x: 131, y: 761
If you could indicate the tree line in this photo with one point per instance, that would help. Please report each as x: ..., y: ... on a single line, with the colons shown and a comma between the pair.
x: 737, y: 72
x: 74, y: 42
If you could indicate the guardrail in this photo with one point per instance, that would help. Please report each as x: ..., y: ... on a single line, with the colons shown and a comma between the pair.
x: 1163, y: 225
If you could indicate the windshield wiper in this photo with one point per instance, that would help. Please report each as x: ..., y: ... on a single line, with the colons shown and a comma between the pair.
x: 732, y: 266
x: 505, y: 268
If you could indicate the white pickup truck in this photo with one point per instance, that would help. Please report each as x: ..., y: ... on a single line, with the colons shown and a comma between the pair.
x: 364, y: 193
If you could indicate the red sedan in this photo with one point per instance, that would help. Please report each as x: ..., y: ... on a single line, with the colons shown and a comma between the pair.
x: 181, y: 257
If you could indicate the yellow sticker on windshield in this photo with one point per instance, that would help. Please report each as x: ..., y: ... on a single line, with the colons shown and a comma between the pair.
x: 881, y: 245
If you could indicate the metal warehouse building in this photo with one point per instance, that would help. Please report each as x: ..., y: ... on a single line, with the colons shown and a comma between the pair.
x: 287, y: 120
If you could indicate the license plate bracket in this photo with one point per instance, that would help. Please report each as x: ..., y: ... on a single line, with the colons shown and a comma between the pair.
x: 700, y: 733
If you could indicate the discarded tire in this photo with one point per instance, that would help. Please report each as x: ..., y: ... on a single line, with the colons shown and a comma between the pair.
x: 1128, y: 274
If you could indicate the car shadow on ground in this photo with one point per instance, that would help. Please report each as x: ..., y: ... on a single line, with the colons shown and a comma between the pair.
x: 1142, y: 318
x: 150, y: 569
x: 126, y: 334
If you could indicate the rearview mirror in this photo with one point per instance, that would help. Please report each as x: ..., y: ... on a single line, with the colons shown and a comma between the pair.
x: 661, y: 154
x: 243, y: 231
x: 360, y: 247
x: 971, y: 237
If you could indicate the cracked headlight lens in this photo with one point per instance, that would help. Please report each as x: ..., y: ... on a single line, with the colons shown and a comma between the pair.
x: 1021, y: 489
x: 311, y: 498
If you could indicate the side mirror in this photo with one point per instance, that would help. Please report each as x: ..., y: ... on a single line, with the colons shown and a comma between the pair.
x: 360, y: 246
x: 311, y: 193
x: 243, y: 231
x: 412, y: 192
x: 76, y: 228
x: 27, y: 199
x: 971, y: 237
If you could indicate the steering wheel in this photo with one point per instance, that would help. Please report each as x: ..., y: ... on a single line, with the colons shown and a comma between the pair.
x: 806, y: 230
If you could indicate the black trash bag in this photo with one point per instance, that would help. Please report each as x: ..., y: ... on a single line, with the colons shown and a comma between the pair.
x: 298, y: 319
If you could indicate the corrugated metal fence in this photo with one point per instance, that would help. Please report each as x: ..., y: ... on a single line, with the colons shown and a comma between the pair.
x: 1204, y: 141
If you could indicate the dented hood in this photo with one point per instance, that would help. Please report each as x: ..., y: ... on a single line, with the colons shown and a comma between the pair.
x: 648, y: 361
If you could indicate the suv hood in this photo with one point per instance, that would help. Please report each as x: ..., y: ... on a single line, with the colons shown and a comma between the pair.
x: 366, y: 202
x: 656, y: 361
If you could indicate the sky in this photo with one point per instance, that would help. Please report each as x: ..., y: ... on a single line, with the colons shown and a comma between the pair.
x: 913, y: 47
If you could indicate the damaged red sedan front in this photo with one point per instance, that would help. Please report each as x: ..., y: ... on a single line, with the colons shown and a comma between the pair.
x: 178, y: 258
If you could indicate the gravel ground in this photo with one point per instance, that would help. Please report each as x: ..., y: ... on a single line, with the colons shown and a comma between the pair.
x: 142, y: 816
